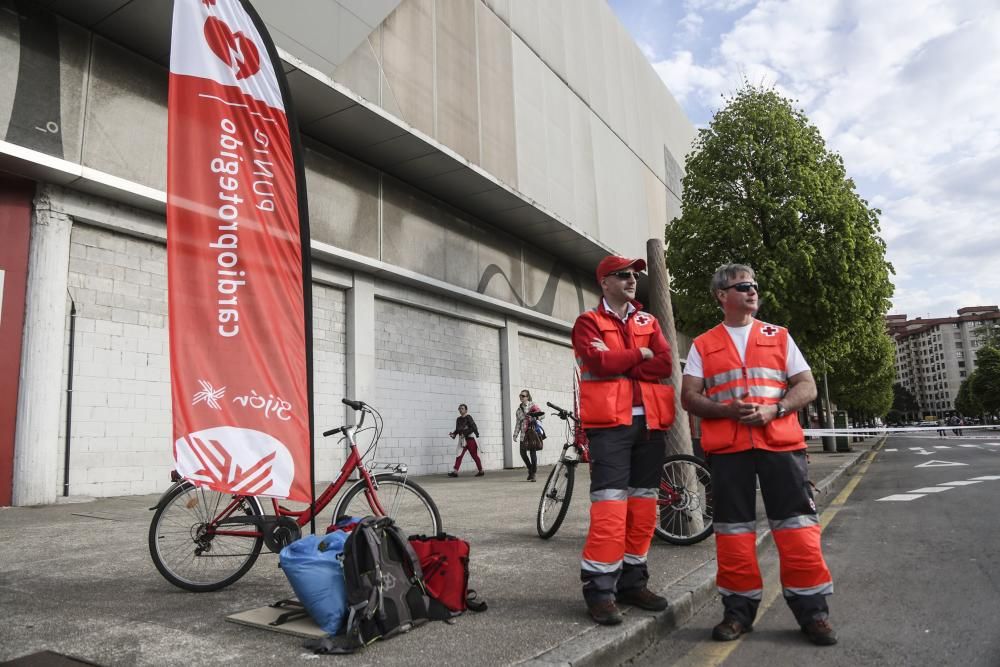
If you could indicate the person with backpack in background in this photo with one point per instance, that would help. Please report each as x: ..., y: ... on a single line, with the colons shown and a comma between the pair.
x: 465, y: 427
x: 526, y: 425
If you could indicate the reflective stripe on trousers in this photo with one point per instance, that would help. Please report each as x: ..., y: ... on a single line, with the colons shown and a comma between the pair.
x: 623, y: 486
x: 795, y: 527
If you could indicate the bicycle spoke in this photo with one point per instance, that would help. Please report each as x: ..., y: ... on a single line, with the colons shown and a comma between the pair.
x: 186, y: 551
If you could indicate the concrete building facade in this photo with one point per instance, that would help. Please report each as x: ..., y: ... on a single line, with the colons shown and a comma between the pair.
x: 934, y: 356
x: 468, y: 164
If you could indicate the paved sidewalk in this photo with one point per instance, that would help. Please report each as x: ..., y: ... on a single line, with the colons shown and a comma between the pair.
x: 77, y: 579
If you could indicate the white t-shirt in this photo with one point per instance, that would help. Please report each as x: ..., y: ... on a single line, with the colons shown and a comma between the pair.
x: 795, y: 363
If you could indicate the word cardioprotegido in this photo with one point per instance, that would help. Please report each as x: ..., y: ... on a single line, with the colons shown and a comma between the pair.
x: 230, y: 277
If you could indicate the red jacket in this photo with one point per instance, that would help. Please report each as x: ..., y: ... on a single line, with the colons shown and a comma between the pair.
x: 761, y: 379
x: 613, y: 381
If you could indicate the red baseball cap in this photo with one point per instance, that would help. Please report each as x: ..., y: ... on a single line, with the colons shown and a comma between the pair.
x: 613, y: 263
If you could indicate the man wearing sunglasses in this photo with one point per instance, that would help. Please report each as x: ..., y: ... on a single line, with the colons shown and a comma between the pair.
x: 747, y: 379
x: 622, y: 356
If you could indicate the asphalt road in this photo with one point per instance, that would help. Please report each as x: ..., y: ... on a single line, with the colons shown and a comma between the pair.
x: 914, y: 554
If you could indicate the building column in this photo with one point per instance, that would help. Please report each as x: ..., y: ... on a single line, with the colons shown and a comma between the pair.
x: 510, y: 385
x: 36, y: 442
x: 360, y: 342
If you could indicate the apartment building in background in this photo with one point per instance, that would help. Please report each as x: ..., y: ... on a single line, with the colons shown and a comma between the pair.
x: 935, y: 355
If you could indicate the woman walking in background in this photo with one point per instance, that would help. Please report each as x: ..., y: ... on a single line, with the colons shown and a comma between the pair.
x: 525, y: 433
x: 465, y: 428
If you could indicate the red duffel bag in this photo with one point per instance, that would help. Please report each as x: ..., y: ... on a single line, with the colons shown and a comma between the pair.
x: 445, y: 562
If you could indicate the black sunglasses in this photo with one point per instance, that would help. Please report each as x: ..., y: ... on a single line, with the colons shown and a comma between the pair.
x: 625, y: 275
x: 743, y: 287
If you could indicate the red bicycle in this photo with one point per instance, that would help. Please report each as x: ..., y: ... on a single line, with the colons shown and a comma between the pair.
x: 202, y: 540
x: 684, y: 498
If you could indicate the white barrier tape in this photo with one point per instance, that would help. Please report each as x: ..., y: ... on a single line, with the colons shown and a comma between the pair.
x: 814, y: 432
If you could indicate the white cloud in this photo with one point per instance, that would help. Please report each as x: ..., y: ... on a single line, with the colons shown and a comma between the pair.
x: 903, y: 90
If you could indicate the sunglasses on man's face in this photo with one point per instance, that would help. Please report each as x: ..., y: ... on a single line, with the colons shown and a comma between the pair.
x: 625, y: 275
x: 743, y: 287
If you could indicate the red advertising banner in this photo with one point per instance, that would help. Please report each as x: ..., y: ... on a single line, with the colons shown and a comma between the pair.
x: 237, y: 240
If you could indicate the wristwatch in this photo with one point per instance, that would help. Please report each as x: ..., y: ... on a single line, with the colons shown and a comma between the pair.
x: 781, y: 411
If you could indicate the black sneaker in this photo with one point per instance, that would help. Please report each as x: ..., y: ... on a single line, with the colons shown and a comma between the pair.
x: 453, y: 474
x: 604, y: 612
x: 480, y: 473
x: 643, y: 598
x: 729, y: 629
x: 820, y: 632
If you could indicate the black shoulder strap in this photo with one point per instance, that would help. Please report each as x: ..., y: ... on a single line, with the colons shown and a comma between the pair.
x: 473, y: 602
x: 406, y: 548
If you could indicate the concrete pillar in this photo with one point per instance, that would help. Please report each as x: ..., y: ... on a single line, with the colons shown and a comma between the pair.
x: 510, y: 385
x: 36, y: 441
x: 360, y: 342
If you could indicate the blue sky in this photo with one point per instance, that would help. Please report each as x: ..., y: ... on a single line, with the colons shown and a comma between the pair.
x: 903, y: 90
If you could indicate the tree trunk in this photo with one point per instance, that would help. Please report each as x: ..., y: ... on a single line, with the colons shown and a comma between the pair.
x: 678, y: 440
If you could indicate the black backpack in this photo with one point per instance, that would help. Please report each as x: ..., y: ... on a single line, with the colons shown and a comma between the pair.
x: 385, y: 588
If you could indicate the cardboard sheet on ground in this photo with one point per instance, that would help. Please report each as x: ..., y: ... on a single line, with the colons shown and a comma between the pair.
x: 262, y: 617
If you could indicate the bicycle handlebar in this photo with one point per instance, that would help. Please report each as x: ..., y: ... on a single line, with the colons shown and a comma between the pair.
x: 563, y: 414
x: 357, y: 405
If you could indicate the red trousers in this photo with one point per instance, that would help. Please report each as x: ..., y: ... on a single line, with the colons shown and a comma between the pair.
x: 473, y: 449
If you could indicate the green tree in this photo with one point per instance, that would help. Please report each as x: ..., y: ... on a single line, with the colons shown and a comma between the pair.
x: 966, y: 401
x: 762, y: 189
x: 862, y: 379
x: 986, y: 379
x: 988, y: 333
x: 904, y: 401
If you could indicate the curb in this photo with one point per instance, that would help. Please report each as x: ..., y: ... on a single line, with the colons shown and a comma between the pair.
x: 598, y: 645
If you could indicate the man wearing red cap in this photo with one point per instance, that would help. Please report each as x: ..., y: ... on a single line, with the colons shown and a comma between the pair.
x: 622, y: 356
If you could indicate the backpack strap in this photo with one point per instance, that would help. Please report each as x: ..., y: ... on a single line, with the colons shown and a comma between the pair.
x: 473, y: 602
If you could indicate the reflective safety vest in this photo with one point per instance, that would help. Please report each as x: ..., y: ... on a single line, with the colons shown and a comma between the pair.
x: 762, y: 378
x: 606, y: 402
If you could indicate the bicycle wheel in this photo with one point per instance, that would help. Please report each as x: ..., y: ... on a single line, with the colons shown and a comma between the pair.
x: 684, y: 501
x: 183, y: 550
x: 555, y: 499
x: 402, y: 499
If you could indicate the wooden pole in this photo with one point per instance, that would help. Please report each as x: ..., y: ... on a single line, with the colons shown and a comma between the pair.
x: 679, y: 436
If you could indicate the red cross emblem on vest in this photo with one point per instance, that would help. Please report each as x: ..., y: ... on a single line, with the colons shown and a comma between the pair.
x: 642, y: 319
x: 769, y: 330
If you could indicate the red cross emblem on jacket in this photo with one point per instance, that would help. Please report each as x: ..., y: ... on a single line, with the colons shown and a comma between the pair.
x: 769, y: 330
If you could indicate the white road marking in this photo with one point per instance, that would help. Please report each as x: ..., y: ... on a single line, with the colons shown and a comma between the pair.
x: 986, y: 478
x: 932, y: 489
x: 942, y: 446
x: 902, y: 496
x: 892, y: 450
x: 961, y: 482
x: 939, y: 464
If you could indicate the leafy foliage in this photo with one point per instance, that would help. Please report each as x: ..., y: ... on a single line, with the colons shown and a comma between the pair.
x: 762, y: 189
x: 904, y: 401
x: 986, y: 380
x: 862, y: 379
x: 966, y: 402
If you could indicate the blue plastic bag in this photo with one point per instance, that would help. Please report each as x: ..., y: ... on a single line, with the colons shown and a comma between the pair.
x: 315, y: 571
